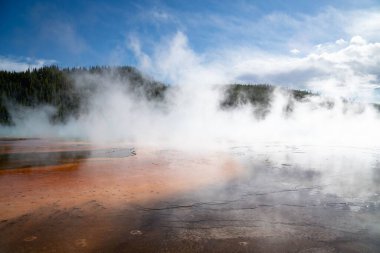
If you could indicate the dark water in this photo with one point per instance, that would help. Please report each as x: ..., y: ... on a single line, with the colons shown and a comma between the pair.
x: 34, y: 159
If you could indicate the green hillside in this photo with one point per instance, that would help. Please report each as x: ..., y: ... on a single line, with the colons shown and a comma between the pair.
x: 69, y: 91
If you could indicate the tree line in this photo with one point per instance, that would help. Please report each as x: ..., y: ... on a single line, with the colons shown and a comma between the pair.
x: 56, y: 87
x: 68, y: 91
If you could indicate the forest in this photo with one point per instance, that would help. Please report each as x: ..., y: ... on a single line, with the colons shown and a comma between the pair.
x: 63, y: 90
x: 57, y: 87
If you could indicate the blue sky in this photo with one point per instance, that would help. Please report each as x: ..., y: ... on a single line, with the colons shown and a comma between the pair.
x: 322, y: 45
x: 86, y: 33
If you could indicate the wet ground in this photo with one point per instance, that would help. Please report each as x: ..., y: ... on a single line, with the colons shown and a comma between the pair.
x: 59, y: 196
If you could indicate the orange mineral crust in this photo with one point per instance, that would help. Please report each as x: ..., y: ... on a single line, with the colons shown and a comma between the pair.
x: 150, y: 175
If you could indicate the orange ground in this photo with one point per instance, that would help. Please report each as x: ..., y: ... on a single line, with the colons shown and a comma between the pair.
x: 151, y: 175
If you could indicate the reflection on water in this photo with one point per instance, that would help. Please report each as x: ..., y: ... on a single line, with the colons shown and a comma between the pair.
x: 324, y: 194
x: 345, y: 172
x: 271, y: 198
x: 14, y: 160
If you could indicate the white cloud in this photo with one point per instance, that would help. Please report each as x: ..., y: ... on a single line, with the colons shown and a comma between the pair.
x: 22, y: 64
x: 340, y: 42
x: 295, y: 51
x: 351, y: 70
x: 340, y: 51
x: 357, y: 40
x: 303, y: 31
x: 336, y: 68
x: 365, y: 23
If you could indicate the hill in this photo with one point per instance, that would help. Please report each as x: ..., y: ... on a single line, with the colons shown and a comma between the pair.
x: 69, y: 90
x: 60, y: 89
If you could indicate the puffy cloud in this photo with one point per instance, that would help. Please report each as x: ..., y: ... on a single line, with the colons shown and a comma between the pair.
x: 333, y: 51
x: 365, y: 23
x: 295, y: 51
x: 357, y: 40
x: 340, y: 68
x: 350, y: 70
x: 340, y: 42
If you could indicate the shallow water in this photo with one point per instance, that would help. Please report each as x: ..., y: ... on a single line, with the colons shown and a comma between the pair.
x: 266, y: 197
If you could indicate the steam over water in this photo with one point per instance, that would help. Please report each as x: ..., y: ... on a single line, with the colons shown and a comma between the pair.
x: 304, y: 178
x: 179, y: 153
x: 192, y: 116
x: 301, y: 180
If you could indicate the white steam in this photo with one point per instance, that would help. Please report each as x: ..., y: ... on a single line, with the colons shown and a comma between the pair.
x: 192, y: 116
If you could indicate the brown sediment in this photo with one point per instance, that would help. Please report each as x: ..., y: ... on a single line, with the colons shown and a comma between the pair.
x: 84, y: 205
x: 151, y: 175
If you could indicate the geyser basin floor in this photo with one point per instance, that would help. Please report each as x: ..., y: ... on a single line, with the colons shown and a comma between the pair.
x: 269, y: 198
